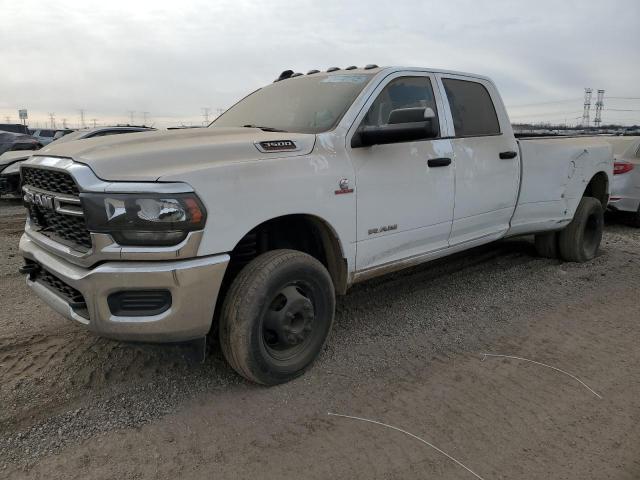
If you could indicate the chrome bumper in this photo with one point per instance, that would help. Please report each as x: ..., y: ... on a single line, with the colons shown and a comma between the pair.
x: 194, y: 285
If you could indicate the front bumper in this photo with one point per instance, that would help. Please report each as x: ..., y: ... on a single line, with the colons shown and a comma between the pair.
x: 194, y: 285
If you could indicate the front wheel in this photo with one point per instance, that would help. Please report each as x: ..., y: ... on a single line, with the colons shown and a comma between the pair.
x: 580, y: 240
x: 276, y: 316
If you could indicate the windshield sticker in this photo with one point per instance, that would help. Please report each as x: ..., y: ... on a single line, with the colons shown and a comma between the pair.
x: 345, y: 79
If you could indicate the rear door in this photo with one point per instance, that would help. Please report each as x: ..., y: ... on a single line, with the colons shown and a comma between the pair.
x: 487, y: 175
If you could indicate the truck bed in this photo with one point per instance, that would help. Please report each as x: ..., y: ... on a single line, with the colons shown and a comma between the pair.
x: 553, y: 176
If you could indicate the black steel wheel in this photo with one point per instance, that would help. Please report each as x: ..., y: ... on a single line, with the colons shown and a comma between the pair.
x: 276, y: 316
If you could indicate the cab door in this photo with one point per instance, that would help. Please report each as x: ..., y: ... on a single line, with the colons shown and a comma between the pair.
x: 487, y: 160
x: 404, y: 188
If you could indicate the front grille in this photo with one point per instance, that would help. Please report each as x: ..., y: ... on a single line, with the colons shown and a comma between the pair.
x: 73, y: 297
x: 52, y: 181
x: 64, y: 228
x: 71, y: 229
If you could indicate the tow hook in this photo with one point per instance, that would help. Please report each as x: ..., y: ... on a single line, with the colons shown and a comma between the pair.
x: 29, y: 269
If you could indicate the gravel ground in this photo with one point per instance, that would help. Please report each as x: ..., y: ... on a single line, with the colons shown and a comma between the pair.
x: 406, y: 350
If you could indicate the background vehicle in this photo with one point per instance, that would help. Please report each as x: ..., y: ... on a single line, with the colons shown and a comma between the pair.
x: 14, y: 127
x: 625, y: 194
x: 300, y: 190
x: 10, y: 161
x: 10, y: 141
x: 45, y: 135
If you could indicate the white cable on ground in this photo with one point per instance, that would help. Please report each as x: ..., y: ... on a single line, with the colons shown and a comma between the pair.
x: 411, y: 435
x: 485, y: 355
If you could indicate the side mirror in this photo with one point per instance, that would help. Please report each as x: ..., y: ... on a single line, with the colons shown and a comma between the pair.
x: 403, y: 125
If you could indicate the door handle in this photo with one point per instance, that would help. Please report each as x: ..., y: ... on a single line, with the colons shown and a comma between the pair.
x: 439, y: 162
x: 508, y: 155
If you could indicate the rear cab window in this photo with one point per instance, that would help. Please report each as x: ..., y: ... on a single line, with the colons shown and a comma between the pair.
x: 472, y: 109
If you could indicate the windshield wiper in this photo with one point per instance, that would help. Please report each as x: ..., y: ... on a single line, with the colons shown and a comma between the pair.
x: 266, y: 129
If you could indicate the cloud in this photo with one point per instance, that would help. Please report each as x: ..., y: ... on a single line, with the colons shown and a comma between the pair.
x: 172, y: 58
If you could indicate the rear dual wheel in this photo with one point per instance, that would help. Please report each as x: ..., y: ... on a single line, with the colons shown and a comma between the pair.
x: 276, y: 316
x: 580, y: 240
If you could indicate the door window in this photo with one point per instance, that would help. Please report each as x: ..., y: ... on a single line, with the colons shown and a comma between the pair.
x: 472, y: 109
x: 404, y: 92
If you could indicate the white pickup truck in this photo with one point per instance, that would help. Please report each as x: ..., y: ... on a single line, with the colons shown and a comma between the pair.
x: 249, y: 228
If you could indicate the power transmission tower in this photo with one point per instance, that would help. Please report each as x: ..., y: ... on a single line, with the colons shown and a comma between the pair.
x: 205, y: 113
x: 8, y: 119
x: 220, y: 111
x: 94, y: 120
x: 52, y: 117
x: 82, y: 125
x: 599, y: 104
x: 131, y: 113
x: 64, y: 123
x: 144, y: 117
x: 587, y: 107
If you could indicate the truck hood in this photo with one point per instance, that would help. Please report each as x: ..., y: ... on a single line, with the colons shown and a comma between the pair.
x: 148, y: 156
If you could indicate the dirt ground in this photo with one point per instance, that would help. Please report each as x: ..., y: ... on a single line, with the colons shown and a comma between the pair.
x: 406, y: 351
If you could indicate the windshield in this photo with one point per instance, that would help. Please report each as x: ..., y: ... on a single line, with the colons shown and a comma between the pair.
x: 306, y: 104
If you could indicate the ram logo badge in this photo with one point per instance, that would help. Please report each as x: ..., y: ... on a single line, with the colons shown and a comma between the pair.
x: 39, y: 199
x: 385, y: 228
x: 343, y: 183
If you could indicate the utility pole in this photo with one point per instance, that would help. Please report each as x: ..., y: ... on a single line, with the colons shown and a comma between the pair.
x: 131, y: 112
x: 587, y: 107
x: 52, y: 117
x: 94, y: 122
x: 599, y: 105
x: 82, y: 125
x: 205, y: 113
x: 144, y: 117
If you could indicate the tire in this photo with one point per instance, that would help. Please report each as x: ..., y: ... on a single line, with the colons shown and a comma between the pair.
x: 547, y: 244
x: 276, y: 316
x: 580, y: 240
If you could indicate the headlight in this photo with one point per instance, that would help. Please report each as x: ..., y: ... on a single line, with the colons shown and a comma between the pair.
x: 144, y: 219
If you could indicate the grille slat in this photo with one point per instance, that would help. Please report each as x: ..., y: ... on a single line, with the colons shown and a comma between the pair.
x: 67, y: 229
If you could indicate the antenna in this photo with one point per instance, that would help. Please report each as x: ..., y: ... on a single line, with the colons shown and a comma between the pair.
x: 599, y: 105
x: 587, y: 106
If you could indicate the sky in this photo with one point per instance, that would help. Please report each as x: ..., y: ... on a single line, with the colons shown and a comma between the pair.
x: 118, y: 59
